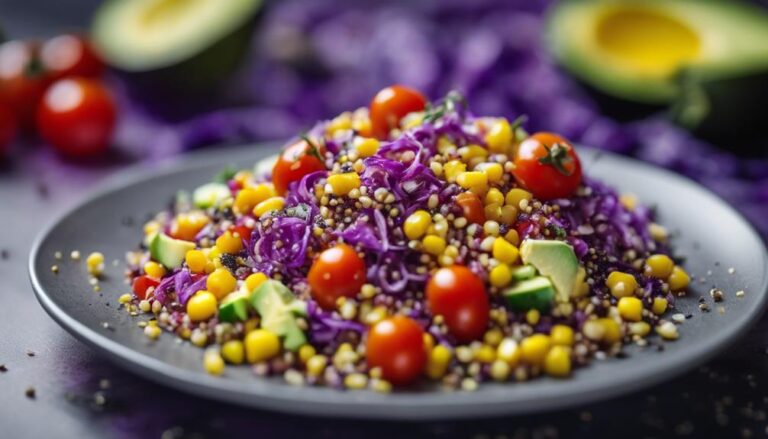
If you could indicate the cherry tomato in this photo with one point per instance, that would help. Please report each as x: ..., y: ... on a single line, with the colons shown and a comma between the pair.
x: 141, y: 284
x: 396, y: 345
x: 7, y: 127
x: 22, y: 80
x: 459, y: 296
x: 294, y: 163
x: 244, y: 232
x: 547, y: 165
x: 337, y: 272
x: 390, y: 105
x: 70, y: 55
x: 472, y: 206
x: 77, y: 117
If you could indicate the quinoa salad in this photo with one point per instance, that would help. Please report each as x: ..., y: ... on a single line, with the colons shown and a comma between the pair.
x: 404, y: 243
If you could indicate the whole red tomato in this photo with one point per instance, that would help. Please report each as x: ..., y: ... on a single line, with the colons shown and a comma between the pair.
x: 547, y: 165
x: 70, y: 55
x: 7, y: 127
x: 22, y: 80
x: 296, y: 161
x: 390, y: 105
x: 459, y: 296
x: 337, y: 272
x: 472, y: 207
x: 396, y: 345
x: 77, y: 116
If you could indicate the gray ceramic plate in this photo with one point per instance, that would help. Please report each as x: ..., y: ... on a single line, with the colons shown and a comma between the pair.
x: 709, y: 233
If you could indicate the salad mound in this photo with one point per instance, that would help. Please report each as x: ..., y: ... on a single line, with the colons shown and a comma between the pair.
x: 408, y: 241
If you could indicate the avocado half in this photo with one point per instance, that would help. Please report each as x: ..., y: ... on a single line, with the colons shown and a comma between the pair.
x: 706, y: 59
x: 181, y: 44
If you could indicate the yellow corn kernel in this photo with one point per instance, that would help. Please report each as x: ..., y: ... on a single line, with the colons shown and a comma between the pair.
x: 667, y: 331
x: 534, y: 349
x: 125, y: 298
x: 639, y: 328
x: 630, y: 309
x: 659, y: 306
x: 493, y: 212
x: 316, y: 365
x: 416, y: 225
x: 187, y: 225
x: 213, y: 363
x: 513, y: 237
x: 220, y: 282
x: 659, y: 266
x: 561, y: 335
x: 514, y: 196
x: 611, y: 330
x: 494, y: 196
x: 470, y: 152
x: 229, y: 243
x: 261, y: 345
x: 362, y: 124
x: 233, y: 351
x: 500, y: 370
x: 504, y: 251
x: 341, y: 184
x: 153, y: 269
x: 151, y: 227
x: 500, y: 276
x: 509, y: 351
x: 95, y: 263
x: 341, y: 122
x: 196, y: 261
x: 246, y: 200
x: 494, y: 171
x: 433, y: 245
x: 254, y: 280
x: 629, y: 201
x: 508, y: 215
x: 493, y: 337
x: 472, y: 179
x: 485, y: 354
x: 499, y: 137
x: 366, y: 146
x: 269, y: 205
x: 306, y: 352
x: 438, y: 361
x: 452, y: 170
x: 679, y: 279
x: 201, y: 306
x: 532, y: 316
x: 621, y: 284
x: 557, y: 363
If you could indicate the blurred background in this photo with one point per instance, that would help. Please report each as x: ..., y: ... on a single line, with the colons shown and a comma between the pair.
x: 680, y: 84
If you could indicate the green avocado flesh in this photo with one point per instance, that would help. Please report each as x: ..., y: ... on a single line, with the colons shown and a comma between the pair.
x: 234, y: 308
x: 145, y: 35
x: 168, y: 251
x: 536, y: 293
x: 639, y: 50
x: 278, y: 308
x: 524, y: 272
x: 210, y: 194
x: 555, y: 260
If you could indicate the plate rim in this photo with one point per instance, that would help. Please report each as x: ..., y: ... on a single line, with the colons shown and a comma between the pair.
x: 167, y: 374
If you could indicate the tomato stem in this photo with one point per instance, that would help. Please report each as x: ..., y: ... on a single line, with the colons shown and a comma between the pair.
x: 557, y: 157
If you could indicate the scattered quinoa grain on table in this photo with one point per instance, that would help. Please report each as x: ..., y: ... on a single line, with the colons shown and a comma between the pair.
x: 408, y: 241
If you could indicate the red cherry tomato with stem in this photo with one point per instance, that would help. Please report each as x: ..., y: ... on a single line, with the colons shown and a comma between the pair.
x: 547, y: 165
x: 396, y: 345
x: 22, y: 80
x: 337, y: 272
x: 296, y: 161
x: 141, y: 284
x: 77, y: 116
x: 390, y: 105
x: 70, y: 55
x: 457, y: 294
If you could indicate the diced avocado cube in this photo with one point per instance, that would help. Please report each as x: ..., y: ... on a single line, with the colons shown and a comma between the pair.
x: 278, y: 308
x: 554, y: 259
x: 169, y: 251
x: 524, y: 272
x: 536, y: 293
x: 210, y: 195
x: 234, y: 308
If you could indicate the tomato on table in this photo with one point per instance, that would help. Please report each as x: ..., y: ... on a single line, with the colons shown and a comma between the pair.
x: 472, y: 207
x: 390, y: 105
x: 296, y: 161
x: 141, y: 284
x: 22, y: 80
x: 547, y: 165
x: 77, y: 116
x: 457, y: 294
x: 396, y: 345
x: 337, y: 272
x: 70, y: 55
